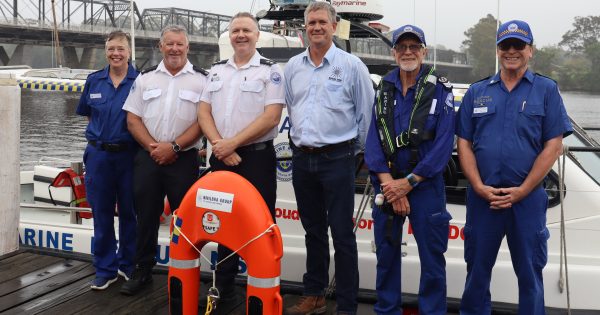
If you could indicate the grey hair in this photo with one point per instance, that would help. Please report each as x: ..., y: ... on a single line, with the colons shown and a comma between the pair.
x: 246, y: 15
x: 119, y: 34
x: 173, y: 29
x: 320, y: 5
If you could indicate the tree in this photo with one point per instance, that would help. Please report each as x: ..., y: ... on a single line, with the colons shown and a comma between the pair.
x: 480, y: 46
x: 546, y: 60
x: 586, y: 32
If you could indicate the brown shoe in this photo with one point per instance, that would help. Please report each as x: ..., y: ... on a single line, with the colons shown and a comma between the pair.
x: 308, y: 305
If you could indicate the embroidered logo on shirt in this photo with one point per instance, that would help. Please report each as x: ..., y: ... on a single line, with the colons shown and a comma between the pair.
x: 483, y: 99
x: 336, y: 74
x: 275, y: 77
x: 95, y: 95
x: 215, y: 77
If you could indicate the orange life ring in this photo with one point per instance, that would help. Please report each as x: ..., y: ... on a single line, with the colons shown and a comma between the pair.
x: 225, y: 208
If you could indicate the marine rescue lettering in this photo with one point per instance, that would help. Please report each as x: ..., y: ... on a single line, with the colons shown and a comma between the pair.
x: 348, y: 2
x: 285, y: 125
x: 289, y: 214
x: 47, y: 239
x: 454, y: 232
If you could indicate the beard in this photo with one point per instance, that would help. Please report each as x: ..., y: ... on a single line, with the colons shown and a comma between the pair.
x: 409, y: 66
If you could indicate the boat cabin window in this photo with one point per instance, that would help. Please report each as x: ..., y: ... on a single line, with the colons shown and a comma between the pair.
x: 588, y: 161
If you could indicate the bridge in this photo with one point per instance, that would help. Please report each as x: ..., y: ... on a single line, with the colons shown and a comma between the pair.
x: 83, y: 24
x: 27, y: 35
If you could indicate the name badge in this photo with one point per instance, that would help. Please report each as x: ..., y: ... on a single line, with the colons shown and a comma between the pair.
x: 95, y: 95
x: 480, y: 110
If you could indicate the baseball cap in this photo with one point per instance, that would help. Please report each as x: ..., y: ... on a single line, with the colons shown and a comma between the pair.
x: 514, y: 29
x: 408, y: 29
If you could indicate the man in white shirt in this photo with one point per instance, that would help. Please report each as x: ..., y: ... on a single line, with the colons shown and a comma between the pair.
x: 162, y: 109
x: 239, y: 113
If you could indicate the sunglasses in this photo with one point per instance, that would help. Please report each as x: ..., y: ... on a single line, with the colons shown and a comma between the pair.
x: 517, y: 45
x: 413, y: 47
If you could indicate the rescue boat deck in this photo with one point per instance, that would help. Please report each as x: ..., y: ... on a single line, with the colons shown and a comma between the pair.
x: 34, y: 281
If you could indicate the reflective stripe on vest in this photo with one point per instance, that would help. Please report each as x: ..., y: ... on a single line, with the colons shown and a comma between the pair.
x: 263, y: 283
x: 184, y: 264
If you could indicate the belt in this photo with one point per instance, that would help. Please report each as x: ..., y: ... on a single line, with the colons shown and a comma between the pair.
x: 110, y: 147
x: 325, y: 148
x: 255, y: 146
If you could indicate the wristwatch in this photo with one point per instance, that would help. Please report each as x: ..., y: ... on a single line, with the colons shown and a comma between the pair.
x: 176, y: 147
x: 412, y: 180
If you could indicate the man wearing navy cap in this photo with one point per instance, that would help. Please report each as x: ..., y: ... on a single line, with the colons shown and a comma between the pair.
x: 510, y: 129
x: 408, y: 146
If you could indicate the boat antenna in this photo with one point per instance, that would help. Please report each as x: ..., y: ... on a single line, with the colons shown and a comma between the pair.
x: 55, y: 31
x: 497, y: 27
x: 435, y: 34
x: 131, y: 3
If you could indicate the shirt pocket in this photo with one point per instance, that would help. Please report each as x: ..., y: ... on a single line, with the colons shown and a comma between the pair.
x: 483, y: 116
x: 335, y: 97
x: 187, y: 105
x: 252, y: 98
x: 531, y: 118
x: 151, y: 99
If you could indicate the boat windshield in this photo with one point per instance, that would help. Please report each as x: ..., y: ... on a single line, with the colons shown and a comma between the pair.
x: 588, y: 161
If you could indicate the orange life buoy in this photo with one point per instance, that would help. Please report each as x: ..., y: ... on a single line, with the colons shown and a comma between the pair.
x: 225, y: 208
x: 68, y: 178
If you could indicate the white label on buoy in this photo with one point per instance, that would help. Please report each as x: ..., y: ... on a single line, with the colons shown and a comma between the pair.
x: 210, y: 222
x: 214, y: 200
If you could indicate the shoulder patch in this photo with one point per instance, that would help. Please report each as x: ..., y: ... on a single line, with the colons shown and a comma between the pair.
x: 267, y: 62
x: 222, y: 62
x: 541, y: 75
x: 148, y: 70
x: 198, y: 69
x: 445, y: 82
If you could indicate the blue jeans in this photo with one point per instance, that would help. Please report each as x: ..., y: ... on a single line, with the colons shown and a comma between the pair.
x: 324, y: 187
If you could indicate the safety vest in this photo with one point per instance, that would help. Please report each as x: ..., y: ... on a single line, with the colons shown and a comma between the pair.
x: 223, y: 207
x: 416, y: 133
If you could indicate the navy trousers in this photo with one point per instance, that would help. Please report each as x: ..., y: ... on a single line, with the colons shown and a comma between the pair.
x: 527, y: 236
x: 109, y: 182
x: 429, y: 220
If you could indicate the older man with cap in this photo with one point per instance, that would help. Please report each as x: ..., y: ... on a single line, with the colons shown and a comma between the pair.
x: 510, y: 130
x: 408, y: 146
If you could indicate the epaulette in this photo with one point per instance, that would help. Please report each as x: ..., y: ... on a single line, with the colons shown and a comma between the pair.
x: 541, y: 75
x: 222, y: 62
x: 445, y: 82
x: 96, y: 71
x: 198, y: 69
x: 148, y: 70
x: 267, y: 62
x: 484, y: 79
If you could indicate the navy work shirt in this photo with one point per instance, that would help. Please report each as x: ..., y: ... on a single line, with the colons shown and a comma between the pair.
x: 103, y: 103
x: 434, y: 154
x: 508, y: 129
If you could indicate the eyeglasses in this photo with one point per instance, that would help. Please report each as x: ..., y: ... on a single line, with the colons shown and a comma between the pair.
x: 517, y: 45
x: 413, y: 47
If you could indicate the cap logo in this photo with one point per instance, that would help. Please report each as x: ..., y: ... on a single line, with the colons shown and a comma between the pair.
x: 513, y: 27
x: 408, y: 29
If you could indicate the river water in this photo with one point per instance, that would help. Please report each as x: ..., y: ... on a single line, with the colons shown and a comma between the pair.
x: 50, y: 129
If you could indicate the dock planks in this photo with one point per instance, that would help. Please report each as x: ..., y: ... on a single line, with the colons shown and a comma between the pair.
x: 33, y: 282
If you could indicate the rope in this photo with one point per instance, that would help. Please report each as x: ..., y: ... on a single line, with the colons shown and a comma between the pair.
x: 364, y: 201
x: 563, y: 238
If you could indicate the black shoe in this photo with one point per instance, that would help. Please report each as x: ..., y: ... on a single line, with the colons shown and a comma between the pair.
x: 140, y: 279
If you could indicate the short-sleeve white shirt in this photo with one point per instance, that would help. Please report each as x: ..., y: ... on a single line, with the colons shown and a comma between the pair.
x: 167, y: 103
x: 239, y: 95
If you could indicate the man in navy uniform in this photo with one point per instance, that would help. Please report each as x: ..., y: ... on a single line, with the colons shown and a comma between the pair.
x: 510, y: 128
x: 409, y: 144
x: 108, y: 161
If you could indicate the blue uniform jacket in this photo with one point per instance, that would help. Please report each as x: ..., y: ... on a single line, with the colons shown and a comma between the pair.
x: 103, y: 104
x: 508, y: 129
x: 433, y: 154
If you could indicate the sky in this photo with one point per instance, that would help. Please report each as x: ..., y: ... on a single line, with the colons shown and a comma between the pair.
x: 549, y: 19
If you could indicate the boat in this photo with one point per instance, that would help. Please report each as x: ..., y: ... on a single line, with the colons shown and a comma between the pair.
x: 573, y: 219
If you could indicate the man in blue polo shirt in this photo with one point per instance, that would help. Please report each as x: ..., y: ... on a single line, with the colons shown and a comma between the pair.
x: 108, y: 161
x: 409, y: 172
x: 510, y: 129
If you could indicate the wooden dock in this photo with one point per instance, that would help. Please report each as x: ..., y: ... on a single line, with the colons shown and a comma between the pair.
x: 36, y: 282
